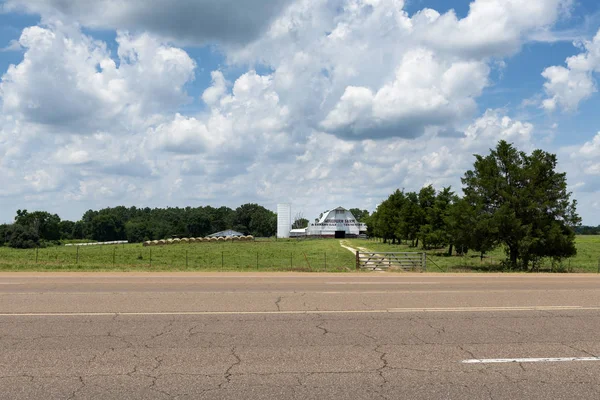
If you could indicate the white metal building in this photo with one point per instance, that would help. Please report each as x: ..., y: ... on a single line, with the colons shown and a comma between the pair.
x: 336, y: 223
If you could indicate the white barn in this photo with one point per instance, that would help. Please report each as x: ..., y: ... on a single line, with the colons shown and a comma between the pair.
x: 336, y: 223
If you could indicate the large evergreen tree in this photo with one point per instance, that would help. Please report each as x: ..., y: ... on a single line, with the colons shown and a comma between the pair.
x: 521, y: 201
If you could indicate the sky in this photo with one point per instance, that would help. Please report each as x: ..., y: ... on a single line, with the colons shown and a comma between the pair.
x: 317, y: 103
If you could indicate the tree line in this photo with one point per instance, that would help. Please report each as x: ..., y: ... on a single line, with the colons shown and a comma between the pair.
x: 587, y: 230
x: 511, y: 199
x: 40, y: 228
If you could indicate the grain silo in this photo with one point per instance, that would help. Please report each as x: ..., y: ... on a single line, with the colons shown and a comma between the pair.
x: 284, y: 220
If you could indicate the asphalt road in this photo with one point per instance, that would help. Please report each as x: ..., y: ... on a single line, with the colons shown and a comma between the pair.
x: 291, y: 336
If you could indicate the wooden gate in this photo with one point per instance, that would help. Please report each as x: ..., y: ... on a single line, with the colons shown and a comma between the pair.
x: 383, y: 261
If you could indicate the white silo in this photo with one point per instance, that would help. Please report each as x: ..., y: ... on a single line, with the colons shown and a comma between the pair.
x: 284, y: 220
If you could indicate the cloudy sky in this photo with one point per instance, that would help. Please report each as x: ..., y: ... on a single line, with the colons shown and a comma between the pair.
x: 318, y: 103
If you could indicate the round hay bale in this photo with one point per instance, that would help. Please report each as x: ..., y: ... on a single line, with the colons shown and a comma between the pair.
x: 169, y: 241
x: 199, y: 239
x: 235, y: 238
x: 220, y: 239
x: 192, y: 240
x: 176, y: 241
x: 228, y: 239
x: 250, y: 237
x: 162, y: 242
x: 212, y: 239
x: 154, y: 243
x: 185, y: 240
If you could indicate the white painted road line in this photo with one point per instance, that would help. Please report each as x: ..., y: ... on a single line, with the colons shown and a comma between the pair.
x: 301, y: 312
x: 382, y: 283
x: 529, y: 360
x: 492, y: 309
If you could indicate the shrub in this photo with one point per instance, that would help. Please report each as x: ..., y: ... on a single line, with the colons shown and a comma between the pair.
x: 23, y: 237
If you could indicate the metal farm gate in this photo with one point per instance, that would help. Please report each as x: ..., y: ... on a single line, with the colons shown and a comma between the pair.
x: 382, y: 261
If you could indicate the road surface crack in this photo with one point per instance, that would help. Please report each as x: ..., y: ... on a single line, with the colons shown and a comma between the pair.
x: 470, y: 353
x: 81, y: 386
x: 166, y: 330
x: 325, y: 331
x: 228, y: 373
x: 155, y: 389
x: 368, y: 336
x: 439, y: 330
x: 384, y: 361
x: 579, y: 349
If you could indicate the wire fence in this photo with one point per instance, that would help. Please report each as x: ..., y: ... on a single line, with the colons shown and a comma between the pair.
x: 182, y: 257
x: 272, y: 256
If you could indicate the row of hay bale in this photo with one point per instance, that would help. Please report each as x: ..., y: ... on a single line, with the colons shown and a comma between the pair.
x: 97, y: 243
x: 199, y: 240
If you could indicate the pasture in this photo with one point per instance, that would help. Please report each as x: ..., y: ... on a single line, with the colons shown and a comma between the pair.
x: 263, y: 255
x: 280, y: 255
x: 586, y: 260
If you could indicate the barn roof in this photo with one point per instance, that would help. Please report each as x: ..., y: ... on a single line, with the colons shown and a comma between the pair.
x: 227, y: 233
x: 326, y: 214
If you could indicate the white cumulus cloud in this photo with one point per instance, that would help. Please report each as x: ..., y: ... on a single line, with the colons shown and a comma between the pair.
x: 68, y: 81
x: 568, y: 86
x: 310, y: 93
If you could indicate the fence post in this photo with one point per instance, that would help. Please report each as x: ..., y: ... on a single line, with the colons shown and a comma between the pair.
x: 424, y: 261
x: 357, y: 261
x: 77, y: 259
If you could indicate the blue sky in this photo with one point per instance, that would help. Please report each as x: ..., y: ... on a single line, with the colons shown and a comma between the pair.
x: 334, y: 102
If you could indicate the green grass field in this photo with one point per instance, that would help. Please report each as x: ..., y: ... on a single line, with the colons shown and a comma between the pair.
x: 586, y: 260
x: 281, y: 255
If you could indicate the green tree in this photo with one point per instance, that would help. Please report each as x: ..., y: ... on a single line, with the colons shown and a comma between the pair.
x: 385, y: 218
x: 22, y: 237
x: 255, y: 220
x: 5, y: 231
x: 521, y: 202
x: 137, y: 230
x: 106, y: 228
x: 300, y: 222
x: 45, y: 225
x: 66, y: 229
x: 411, y: 218
x: 198, y: 224
x: 435, y: 209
